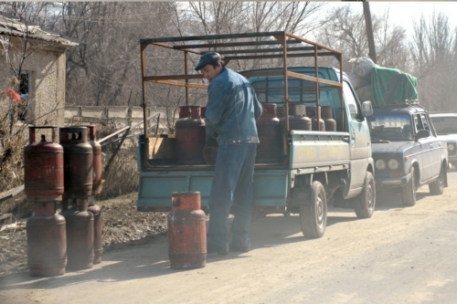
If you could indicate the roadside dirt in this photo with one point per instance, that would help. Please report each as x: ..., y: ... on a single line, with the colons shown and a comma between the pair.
x: 400, y: 255
x: 123, y: 226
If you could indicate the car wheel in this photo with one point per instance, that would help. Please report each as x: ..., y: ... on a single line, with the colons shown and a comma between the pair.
x: 365, y: 202
x: 409, y: 191
x: 313, y: 214
x: 437, y: 187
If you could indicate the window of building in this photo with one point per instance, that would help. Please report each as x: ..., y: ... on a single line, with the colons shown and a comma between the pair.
x: 25, y: 81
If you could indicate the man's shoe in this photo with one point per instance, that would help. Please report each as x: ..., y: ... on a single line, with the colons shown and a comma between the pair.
x: 241, y: 249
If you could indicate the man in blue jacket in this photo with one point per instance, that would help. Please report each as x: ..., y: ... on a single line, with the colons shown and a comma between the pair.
x: 230, y: 118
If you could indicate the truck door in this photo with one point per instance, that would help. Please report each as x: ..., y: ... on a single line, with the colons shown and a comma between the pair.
x: 359, y: 140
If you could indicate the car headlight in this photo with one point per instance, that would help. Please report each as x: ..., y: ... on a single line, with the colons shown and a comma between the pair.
x: 380, y: 164
x: 450, y: 147
x: 393, y: 164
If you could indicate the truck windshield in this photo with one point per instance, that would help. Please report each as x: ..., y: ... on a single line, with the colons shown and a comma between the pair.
x: 390, y: 127
x: 445, y: 125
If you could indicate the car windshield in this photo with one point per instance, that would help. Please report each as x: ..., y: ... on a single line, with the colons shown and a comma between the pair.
x: 445, y: 125
x: 390, y: 127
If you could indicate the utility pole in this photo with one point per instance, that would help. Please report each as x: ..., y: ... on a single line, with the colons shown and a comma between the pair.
x: 369, y: 29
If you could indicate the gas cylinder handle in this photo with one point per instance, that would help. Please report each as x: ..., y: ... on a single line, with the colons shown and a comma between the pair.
x: 91, y: 134
x: 32, y: 133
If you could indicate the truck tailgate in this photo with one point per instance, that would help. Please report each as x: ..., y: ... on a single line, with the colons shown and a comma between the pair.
x: 155, y: 188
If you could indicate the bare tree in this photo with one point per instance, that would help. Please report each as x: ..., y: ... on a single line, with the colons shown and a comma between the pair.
x: 241, y: 17
x: 345, y: 30
x: 107, y: 64
x: 434, y: 55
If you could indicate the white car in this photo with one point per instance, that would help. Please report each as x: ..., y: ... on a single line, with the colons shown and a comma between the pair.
x: 446, y: 127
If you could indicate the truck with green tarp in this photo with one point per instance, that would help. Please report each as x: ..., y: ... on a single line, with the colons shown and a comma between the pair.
x: 316, y: 167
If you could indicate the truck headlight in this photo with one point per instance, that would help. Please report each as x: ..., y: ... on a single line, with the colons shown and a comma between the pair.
x: 393, y: 164
x: 380, y: 164
x: 450, y: 147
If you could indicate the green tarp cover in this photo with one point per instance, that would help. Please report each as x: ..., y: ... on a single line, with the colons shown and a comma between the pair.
x: 392, y: 87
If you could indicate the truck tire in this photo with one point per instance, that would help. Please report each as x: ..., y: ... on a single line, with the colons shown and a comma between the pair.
x: 365, y: 202
x: 313, y: 214
x: 437, y: 186
x: 409, y: 191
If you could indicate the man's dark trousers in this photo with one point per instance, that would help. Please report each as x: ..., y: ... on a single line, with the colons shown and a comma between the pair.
x: 233, y: 181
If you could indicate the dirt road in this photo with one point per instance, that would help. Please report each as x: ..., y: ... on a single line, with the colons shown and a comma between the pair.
x: 401, y: 255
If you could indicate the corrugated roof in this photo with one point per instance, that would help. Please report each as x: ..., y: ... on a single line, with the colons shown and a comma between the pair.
x: 14, y: 27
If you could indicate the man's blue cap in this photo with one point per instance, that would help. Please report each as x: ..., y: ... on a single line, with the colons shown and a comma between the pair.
x: 208, y: 58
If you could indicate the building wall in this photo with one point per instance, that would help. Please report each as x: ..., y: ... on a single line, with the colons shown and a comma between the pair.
x: 47, y: 98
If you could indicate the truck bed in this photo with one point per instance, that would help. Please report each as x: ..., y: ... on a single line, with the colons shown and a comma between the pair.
x: 310, y: 152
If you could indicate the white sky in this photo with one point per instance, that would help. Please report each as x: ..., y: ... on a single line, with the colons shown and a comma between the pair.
x: 404, y: 12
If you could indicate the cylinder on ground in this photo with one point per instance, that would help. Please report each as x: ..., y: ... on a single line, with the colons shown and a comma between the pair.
x: 186, y: 231
x: 46, y: 245
x: 80, y: 235
x: 98, y: 232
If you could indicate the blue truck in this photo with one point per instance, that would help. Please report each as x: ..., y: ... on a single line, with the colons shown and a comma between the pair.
x: 317, y: 167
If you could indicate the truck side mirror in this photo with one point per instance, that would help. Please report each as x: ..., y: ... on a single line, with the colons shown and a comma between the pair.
x: 422, y: 134
x: 367, y: 108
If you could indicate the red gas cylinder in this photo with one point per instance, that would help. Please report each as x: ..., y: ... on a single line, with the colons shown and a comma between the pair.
x: 46, y: 245
x: 186, y: 231
x: 97, y: 161
x: 80, y: 234
x: 78, y: 162
x: 270, y: 149
x: 327, y: 115
x: 311, y: 113
x: 43, y: 168
x: 297, y: 118
x: 190, y: 136
x: 98, y: 230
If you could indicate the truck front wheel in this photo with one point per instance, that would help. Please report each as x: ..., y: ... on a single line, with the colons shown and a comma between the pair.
x: 313, y: 214
x: 365, y: 202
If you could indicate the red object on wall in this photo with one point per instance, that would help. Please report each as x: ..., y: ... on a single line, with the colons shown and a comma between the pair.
x: 186, y: 231
x: 13, y: 95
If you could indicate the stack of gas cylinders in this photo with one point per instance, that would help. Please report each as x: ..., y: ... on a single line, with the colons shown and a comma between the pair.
x: 270, y: 127
x: 191, y: 139
x: 69, y: 173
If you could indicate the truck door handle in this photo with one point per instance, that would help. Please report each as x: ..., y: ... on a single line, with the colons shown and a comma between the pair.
x: 346, y: 138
